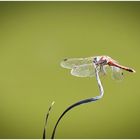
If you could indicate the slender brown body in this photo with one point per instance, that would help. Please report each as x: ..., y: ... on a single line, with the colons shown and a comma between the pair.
x: 110, y: 63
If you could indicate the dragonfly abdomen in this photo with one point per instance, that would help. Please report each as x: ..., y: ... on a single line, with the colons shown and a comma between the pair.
x: 121, y: 67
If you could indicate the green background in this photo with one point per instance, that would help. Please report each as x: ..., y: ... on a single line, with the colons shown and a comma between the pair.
x: 36, y: 36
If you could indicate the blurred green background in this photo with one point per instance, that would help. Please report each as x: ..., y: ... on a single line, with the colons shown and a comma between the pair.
x: 36, y: 36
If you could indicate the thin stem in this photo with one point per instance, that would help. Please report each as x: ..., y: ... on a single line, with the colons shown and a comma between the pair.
x: 46, y: 120
x: 82, y: 101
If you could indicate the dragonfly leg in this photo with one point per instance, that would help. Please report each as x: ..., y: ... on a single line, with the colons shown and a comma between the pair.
x: 102, y: 70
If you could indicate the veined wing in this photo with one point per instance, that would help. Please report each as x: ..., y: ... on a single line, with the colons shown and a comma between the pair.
x: 88, y: 70
x: 74, y: 62
x: 85, y: 70
x: 117, y: 73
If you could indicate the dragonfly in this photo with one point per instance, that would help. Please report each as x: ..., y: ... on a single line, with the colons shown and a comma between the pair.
x: 83, y: 67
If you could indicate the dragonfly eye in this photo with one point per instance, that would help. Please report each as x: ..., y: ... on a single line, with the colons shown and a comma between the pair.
x: 95, y: 59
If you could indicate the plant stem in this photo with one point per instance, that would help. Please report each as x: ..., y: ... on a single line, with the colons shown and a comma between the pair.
x: 46, y: 120
x: 82, y: 101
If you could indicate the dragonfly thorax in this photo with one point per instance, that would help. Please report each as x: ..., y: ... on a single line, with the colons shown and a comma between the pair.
x: 100, y: 60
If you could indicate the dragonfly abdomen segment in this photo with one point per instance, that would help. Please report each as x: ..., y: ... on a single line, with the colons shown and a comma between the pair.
x: 121, y: 67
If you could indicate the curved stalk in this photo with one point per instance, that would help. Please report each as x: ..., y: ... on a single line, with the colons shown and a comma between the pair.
x: 82, y: 101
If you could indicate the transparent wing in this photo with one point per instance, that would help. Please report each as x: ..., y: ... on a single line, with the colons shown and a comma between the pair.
x: 103, y: 70
x: 117, y: 73
x: 86, y: 70
x: 73, y: 62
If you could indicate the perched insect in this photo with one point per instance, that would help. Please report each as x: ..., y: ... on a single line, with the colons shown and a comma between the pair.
x: 83, y: 67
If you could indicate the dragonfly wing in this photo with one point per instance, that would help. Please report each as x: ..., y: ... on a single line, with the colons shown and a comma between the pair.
x: 85, y: 70
x: 117, y: 73
x: 74, y: 62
